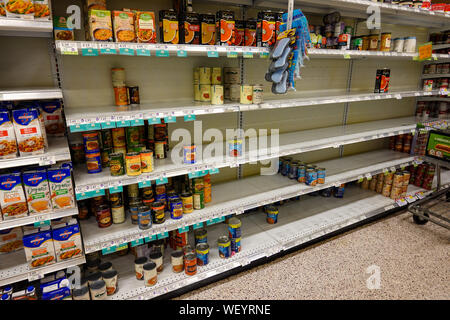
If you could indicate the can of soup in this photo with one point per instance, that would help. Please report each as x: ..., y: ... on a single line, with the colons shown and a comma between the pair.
x: 147, y: 161
x: 311, y: 177
x: 224, y: 245
x: 190, y: 264
x: 133, y: 164
x: 91, y: 142
x: 246, y: 94
x: 176, y: 209
x: 94, y: 163
x: 234, y: 227
x: 321, y: 174
x: 217, y: 94
x: 201, y: 236
x: 188, y: 202
x: 272, y: 214
x: 258, y: 92
x: 118, y: 136
x: 202, y: 250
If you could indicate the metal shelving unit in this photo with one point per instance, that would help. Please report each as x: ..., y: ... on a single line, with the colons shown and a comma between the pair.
x: 30, y: 94
x: 25, y: 28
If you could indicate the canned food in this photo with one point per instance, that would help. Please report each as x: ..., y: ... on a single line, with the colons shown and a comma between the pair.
x: 133, y: 190
x: 187, y: 249
x: 158, y: 213
x: 134, y: 213
x: 190, y: 264
x: 122, y: 150
x: 176, y: 209
x: 103, y: 216
x: 132, y: 136
x: 272, y: 214
x: 118, y: 136
x: 197, y: 93
x: 205, y: 75
x: 91, y: 142
x: 144, y: 218
x: 93, y: 163
x: 115, y: 199
x: 150, y: 274
x: 201, y: 236
x: 321, y: 174
x: 234, y: 228
x: 217, y: 94
x: 160, y: 149
x: 385, y: 44
x: 146, y: 161
x: 258, y: 92
x: 133, y: 95
x: 160, y: 189
x: 121, y: 96
x: 139, y: 267
x: 365, y: 184
x: 301, y: 174
x: 293, y: 170
x: 232, y: 75
x: 133, y: 164
x: 189, y: 154
x: 235, y: 92
x: 246, y: 94
x: 202, y: 250
x: 105, y: 157
x: 118, y: 214
x: 188, y: 202
x: 196, y: 75
x: 235, y: 148
x: 205, y: 92
x: 199, y: 201
x: 177, y: 260
x: 118, y: 76
x: 207, y: 193
x: 198, y: 184
x: 77, y: 151
x: 224, y: 245
x: 216, y: 76
x: 373, y: 42
x: 156, y: 256
x: 311, y: 177
x: 235, y: 245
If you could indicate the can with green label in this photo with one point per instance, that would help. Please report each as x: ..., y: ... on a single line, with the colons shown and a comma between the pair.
x: 117, y: 164
x: 133, y: 138
x: 199, y: 200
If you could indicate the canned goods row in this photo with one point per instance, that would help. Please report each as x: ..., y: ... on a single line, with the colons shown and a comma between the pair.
x: 124, y: 95
x: 391, y: 185
x: 432, y: 109
x: 401, y: 143
x: 309, y: 174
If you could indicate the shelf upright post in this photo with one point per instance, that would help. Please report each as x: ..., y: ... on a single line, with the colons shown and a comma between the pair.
x: 240, y: 124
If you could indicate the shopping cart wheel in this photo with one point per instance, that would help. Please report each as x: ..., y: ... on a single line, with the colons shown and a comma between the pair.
x: 419, y: 220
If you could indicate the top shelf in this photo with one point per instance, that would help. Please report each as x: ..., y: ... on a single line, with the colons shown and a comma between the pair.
x: 390, y: 13
x: 26, y: 28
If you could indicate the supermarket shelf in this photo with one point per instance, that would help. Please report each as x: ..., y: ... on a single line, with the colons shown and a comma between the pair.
x: 317, y: 218
x: 25, y: 28
x: 14, y: 268
x: 30, y: 94
x: 289, y: 143
x: 436, y: 75
x: 241, y: 195
x: 434, y: 98
x: 37, y: 218
x: 89, y: 115
x: 58, y: 150
x: 75, y: 48
x: 441, y: 46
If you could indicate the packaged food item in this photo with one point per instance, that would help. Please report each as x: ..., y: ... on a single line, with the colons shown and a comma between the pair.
x: 39, y: 249
x: 12, y: 197
x: 60, y: 29
x: 250, y: 33
x: 266, y: 29
x: 95, y: 5
x: 100, y: 26
x: 123, y: 23
x: 67, y: 241
x: 190, y: 28
x: 30, y: 136
x: 61, y: 189
x: 23, y: 9
x: 8, y: 144
x: 208, y: 29
x: 53, y: 119
x: 168, y: 26
x: 41, y: 9
x: 145, y: 27
x: 2, y: 9
x: 94, y: 163
x: 225, y: 24
x: 239, y: 28
x: 37, y: 191
x: 133, y: 164
x: 11, y: 240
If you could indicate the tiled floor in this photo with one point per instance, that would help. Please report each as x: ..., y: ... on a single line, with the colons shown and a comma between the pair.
x: 414, y: 263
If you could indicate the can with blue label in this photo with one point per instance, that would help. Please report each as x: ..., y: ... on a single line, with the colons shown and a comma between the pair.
x: 201, y: 236
x: 293, y: 170
x: 234, y: 228
x: 321, y: 174
x: 272, y: 214
x: 339, y: 191
x: 235, y: 246
x: 202, y: 250
x: 286, y: 166
x: 326, y: 192
x: 301, y: 174
x: 176, y: 208
x: 311, y: 177
x: 224, y: 245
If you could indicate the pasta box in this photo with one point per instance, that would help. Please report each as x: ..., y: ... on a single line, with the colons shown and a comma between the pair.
x: 61, y: 188
x: 12, y: 198
x: 37, y: 191
x: 39, y: 249
x: 67, y: 241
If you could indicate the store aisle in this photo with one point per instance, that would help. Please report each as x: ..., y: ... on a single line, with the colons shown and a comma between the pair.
x: 414, y: 262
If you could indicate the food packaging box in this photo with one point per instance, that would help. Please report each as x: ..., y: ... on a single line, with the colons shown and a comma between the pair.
x: 23, y: 9
x: 225, y: 25
x: 37, y: 191
x: 12, y: 197
x: 168, y: 27
x: 39, y: 249
x: 30, y: 131
x: 53, y: 119
x: 145, y: 27
x: 67, y: 242
x: 208, y: 29
x: 123, y: 23
x: 42, y: 10
x: 60, y: 29
x: 190, y: 28
x: 11, y: 240
x: 100, y: 26
x: 8, y: 144
x: 61, y: 188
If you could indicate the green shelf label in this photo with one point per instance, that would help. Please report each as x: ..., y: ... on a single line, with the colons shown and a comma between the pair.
x: 264, y: 55
x: 197, y: 226
x: 163, y: 235
x: 94, y: 126
x: 123, y: 124
x: 77, y: 128
x: 161, y: 181
x: 108, y: 51
x: 108, y: 125
x: 214, y: 171
x: 150, y: 239
x: 137, y: 122
x: 162, y: 53
x: 248, y: 55
x: 39, y: 224
x: 232, y: 54
x: 213, y: 54
x: 170, y: 119
x: 143, y: 53
x: 189, y: 117
x: 154, y: 121
x: 109, y: 250
x: 136, y: 243
x: 89, y: 52
x: 115, y: 189
x: 183, y: 229
x: 126, y: 51
x: 145, y: 184
x: 182, y: 53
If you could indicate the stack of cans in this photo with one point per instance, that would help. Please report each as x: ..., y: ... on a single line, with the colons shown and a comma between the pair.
x: 234, y: 232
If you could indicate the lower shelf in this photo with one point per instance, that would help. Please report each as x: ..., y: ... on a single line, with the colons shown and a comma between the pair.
x: 299, y: 222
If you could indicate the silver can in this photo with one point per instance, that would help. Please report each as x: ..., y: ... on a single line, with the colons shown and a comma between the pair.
x: 258, y: 92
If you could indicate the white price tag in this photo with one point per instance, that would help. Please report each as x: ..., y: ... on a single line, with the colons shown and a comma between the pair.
x: 70, y: 48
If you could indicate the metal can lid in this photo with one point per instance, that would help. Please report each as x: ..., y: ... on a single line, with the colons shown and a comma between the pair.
x: 133, y: 154
x: 144, y: 208
x: 234, y: 222
x: 190, y: 256
x: 177, y: 254
x: 202, y: 246
x: 141, y: 260
x: 223, y: 239
x: 200, y: 232
x: 186, y: 195
x: 80, y: 292
x: 105, y: 266
x: 155, y: 255
x: 149, y: 266
x: 95, y: 276
x: 157, y: 206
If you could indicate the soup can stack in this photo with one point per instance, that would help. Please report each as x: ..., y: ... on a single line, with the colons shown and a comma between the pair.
x: 91, y: 143
x: 234, y: 233
x: 232, y: 81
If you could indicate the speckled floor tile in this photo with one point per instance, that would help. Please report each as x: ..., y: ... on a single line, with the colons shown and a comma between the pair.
x: 414, y: 262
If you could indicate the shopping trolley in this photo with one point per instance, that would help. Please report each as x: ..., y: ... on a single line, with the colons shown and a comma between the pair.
x: 435, y: 207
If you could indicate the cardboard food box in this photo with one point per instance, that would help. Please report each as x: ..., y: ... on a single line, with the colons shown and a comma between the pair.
x: 31, y: 136
x: 11, y: 240
x: 123, y: 23
x: 12, y: 197
x: 42, y: 10
x: 8, y: 144
x: 100, y: 26
x: 67, y: 241
x: 53, y: 118
x: 438, y: 146
x: 61, y: 188
x: 39, y: 249
x: 60, y: 29
x: 37, y: 191
x: 168, y: 27
x: 23, y: 9
x: 145, y: 27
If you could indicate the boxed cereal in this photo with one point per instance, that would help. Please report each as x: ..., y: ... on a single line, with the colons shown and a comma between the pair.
x: 39, y: 249
x: 11, y: 240
x: 61, y: 189
x: 12, y: 198
x: 8, y: 144
x: 60, y: 29
x: 37, y: 191
x: 145, y: 27
x: 23, y: 9
x: 28, y: 127
x: 100, y: 25
x: 53, y: 118
x: 42, y: 9
x: 123, y: 22
x: 67, y: 241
